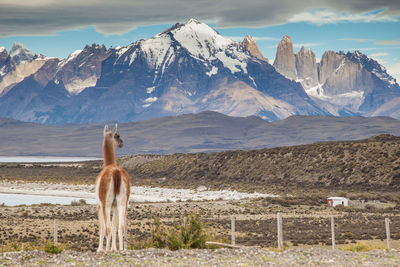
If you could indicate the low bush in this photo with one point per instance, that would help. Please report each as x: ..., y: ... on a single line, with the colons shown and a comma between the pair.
x: 186, y: 233
x: 52, y: 248
x: 29, y: 246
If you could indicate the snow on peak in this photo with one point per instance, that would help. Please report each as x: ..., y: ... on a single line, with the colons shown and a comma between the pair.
x: 16, y: 46
x: 72, y: 56
x: 2, y: 49
x: 75, y: 53
x: 206, y: 44
x: 199, y: 39
x: 159, y: 53
x: 371, y: 65
x: 193, y: 20
x: 20, y: 53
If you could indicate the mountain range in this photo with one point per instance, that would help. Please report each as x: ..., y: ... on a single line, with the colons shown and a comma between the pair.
x: 207, y: 131
x: 190, y: 68
x: 341, y: 83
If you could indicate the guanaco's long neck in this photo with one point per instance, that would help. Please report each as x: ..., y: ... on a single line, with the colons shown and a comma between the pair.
x: 108, y: 151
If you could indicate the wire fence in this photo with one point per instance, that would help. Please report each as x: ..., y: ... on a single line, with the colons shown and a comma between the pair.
x: 282, y: 229
x: 327, y: 231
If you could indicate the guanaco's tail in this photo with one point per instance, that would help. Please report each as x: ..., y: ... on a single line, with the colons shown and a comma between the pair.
x: 117, y: 182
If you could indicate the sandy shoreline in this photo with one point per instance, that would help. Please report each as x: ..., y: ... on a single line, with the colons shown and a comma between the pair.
x: 138, y: 193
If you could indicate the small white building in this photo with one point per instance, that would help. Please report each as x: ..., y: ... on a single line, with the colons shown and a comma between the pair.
x: 334, y: 201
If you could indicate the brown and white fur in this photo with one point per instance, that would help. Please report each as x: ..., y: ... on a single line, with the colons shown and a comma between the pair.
x: 112, y: 193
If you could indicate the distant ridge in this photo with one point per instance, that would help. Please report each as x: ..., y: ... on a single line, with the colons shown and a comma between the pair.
x: 203, y: 132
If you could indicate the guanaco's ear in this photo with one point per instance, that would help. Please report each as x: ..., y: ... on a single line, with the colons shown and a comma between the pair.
x: 105, y: 129
x: 115, y: 128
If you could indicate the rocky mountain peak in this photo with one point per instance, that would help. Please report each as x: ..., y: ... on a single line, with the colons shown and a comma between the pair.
x: 94, y: 46
x: 20, y: 53
x: 285, y: 61
x: 286, y: 38
x: 82, y: 68
x: 330, y: 62
x: 306, y: 67
x: 193, y: 21
x: 250, y: 45
x: 3, y: 55
x: 198, y: 39
x: 372, y: 66
x: 7, y: 64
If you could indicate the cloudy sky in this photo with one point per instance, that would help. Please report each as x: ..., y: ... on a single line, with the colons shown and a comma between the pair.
x: 59, y: 27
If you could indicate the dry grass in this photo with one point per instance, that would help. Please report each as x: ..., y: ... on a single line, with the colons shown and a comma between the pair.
x: 362, y: 246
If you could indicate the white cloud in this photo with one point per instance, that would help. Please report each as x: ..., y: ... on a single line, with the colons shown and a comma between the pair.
x: 362, y: 49
x: 326, y: 16
x: 358, y: 40
x: 388, y: 42
x: 257, y: 38
x: 306, y: 45
x: 378, y: 55
x: 266, y: 38
x: 44, y: 17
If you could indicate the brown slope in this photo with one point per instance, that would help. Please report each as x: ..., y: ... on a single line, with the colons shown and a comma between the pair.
x: 372, y: 163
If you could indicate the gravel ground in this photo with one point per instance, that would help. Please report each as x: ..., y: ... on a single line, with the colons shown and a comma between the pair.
x: 248, y: 256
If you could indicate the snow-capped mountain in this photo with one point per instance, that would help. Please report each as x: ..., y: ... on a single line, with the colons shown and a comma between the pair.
x: 17, y: 65
x: 187, y: 68
x: 20, y: 53
x: 81, y: 69
x: 183, y: 70
x: 342, y: 83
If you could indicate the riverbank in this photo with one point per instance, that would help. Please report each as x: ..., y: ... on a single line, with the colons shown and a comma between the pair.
x: 138, y: 193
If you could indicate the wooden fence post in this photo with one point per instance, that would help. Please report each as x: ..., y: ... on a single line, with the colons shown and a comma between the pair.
x: 55, y: 240
x: 387, y: 232
x: 233, y: 241
x: 333, y: 231
x: 279, y: 230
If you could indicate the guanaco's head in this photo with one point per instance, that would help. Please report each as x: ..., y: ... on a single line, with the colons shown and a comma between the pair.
x: 113, y: 136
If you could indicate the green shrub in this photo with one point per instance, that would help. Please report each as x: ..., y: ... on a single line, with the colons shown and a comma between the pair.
x: 52, y: 248
x: 158, y: 234
x: 20, y: 246
x: 186, y: 233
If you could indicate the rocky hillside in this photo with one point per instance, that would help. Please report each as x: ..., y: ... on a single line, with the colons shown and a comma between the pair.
x: 373, y: 163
